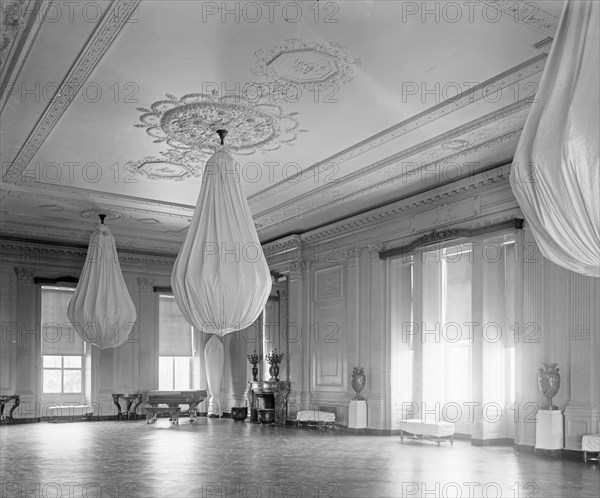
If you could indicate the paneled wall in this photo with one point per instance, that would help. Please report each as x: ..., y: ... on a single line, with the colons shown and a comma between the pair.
x: 338, y: 311
x: 347, y: 314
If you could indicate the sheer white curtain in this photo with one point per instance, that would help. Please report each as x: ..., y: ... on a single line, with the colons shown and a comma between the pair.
x: 556, y: 173
x: 214, y: 357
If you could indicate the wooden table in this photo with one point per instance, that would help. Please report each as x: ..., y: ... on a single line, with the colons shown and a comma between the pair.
x: 129, y: 399
x: 4, y: 400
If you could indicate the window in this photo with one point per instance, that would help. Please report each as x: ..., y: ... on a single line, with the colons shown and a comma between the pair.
x: 62, y: 348
x: 62, y: 374
x: 175, y: 346
x: 451, y: 313
x: 447, y: 340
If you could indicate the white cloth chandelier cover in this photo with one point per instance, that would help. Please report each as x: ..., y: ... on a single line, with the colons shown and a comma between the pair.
x: 101, y: 309
x: 221, y: 280
x: 214, y: 357
x: 555, y: 174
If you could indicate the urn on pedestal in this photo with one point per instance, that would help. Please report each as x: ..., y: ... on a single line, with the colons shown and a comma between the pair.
x: 549, y: 383
x: 359, y: 380
x: 274, y: 359
x: 254, y: 360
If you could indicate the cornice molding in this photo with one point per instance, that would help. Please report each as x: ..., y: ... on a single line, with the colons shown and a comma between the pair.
x: 359, y: 178
x: 526, y: 13
x: 493, y: 179
x: 81, y: 236
x: 283, y: 250
x: 40, y: 254
x: 116, y: 16
x: 478, y: 92
x: 14, y: 66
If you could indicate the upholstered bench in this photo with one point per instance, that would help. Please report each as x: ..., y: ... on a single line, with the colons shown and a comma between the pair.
x: 437, y: 431
x: 86, y: 411
x: 590, y: 443
x: 153, y: 411
x: 322, y: 418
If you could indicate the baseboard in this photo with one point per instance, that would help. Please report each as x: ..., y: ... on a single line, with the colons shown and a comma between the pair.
x: 522, y: 448
x: 559, y: 453
x: 22, y: 421
x: 548, y: 453
x: 500, y: 441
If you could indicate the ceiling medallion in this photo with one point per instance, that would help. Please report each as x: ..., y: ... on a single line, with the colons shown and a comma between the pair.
x: 310, y: 65
x: 93, y: 214
x: 188, y: 126
x: 190, y: 123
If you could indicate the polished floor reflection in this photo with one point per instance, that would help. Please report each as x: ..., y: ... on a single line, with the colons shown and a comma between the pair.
x: 219, y: 457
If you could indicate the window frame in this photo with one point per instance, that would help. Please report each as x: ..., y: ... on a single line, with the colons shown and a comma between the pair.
x: 62, y: 369
x: 190, y: 359
x: 81, y: 369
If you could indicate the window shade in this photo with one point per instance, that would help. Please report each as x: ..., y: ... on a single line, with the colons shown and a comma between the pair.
x: 174, y: 332
x: 58, y: 335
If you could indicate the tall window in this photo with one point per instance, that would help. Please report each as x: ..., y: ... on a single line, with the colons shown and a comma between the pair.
x: 450, y: 349
x: 62, y: 348
x: 175, y: 346
x: 446, y: 334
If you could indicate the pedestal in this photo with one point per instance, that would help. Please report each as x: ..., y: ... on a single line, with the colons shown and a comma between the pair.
x: 358, y: 414
x: 549, y: 430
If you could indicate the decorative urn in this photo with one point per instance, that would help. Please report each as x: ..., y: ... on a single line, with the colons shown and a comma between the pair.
x: 274, y: 359
x: 359, y: 380
x: 254, y: 360
x: 549, y: 383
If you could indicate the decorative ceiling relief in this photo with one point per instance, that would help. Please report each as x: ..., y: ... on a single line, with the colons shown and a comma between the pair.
x: 93, y: 214
x: 12, y: 21
x: 309, y: 65
x: 188, y: 125
x: 159, y: 169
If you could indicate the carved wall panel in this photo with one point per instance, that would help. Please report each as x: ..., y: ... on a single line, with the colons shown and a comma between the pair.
x: 329, y: 284
x: 329, y: 370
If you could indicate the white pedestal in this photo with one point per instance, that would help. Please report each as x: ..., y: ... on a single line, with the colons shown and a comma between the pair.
x: 358, y: 414
x: 549, y: 430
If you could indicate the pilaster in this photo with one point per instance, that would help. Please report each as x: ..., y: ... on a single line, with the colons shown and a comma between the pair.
x: 28, y: 358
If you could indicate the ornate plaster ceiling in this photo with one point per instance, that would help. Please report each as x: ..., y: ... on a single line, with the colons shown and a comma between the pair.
x: 332, y: 108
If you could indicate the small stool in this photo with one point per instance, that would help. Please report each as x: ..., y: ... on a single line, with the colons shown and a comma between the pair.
x: 590, y: 443
x: 87, y: 412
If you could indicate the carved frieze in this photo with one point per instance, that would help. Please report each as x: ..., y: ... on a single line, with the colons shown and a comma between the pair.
x: 445, y: 214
